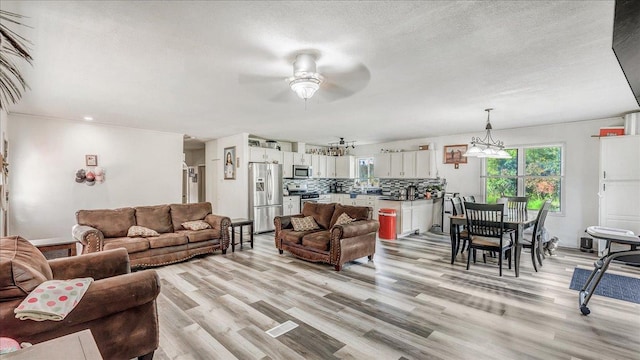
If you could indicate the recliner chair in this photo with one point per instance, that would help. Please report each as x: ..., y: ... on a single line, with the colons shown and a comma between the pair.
x: 119, y: 307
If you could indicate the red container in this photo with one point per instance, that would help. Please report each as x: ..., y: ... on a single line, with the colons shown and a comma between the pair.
x: 612, y: 131
x: 387, y: 219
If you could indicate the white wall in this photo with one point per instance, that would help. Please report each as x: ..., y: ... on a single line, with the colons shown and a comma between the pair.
x: 211, y: 171
x: 142, y: 168
x: 581, y: 169
x: 233, y: 195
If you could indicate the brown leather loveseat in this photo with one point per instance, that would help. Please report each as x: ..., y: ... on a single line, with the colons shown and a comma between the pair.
x: 100, y: 230
x: 119, y: 307
x: 331, y: 242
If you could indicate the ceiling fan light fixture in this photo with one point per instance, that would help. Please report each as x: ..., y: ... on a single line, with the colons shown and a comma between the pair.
x: 305, y: 87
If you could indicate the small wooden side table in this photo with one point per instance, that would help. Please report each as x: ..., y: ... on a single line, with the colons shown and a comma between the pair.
x: 240, y: 223
x: 52, y: 244
x: 77, y: 346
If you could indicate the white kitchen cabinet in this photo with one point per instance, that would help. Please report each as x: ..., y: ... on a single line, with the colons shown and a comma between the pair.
x: 331, y: 166
x: 423, y: 164
x: 403, y: 165
x: 619, y: 184
x: 319, y: 166
x: 290, y: 205
x: 410, y: 215
x: 287, y: 164
x: 257, y: 154
x: 336, y: 198
x: 345, y: 167
x: 382, y: 166
x: 301, y: 159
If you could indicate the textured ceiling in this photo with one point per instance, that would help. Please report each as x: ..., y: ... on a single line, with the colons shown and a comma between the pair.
x: 433, y: 66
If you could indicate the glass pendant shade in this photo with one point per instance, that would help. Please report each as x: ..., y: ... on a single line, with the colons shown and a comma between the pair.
x: 305, y: 88
x: 473, y: 151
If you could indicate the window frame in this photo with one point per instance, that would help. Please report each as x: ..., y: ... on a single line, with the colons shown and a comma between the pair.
x: 371, y: 167
x: 521, y: 177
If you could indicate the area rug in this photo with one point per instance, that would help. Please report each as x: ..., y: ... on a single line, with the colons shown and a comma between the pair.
x: 612, y: 285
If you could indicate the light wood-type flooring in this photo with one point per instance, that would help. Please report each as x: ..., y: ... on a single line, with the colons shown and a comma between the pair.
x: 410, y: 303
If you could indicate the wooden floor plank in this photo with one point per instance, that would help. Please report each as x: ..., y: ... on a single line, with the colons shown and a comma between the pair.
x: 409, y: 303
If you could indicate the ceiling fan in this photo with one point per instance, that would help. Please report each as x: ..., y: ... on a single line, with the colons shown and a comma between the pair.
x: 330, y: 83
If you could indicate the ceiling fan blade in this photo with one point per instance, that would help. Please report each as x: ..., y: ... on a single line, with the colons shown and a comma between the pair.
x: 259, y: 79
x: 285, y: 96
x: 354, y: 79
x: 331, y: 92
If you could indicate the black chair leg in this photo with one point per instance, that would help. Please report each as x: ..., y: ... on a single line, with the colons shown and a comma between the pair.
x: 533, y: 258
x: 468, y: 258
x: 484, y: 257
x: 500, y: 262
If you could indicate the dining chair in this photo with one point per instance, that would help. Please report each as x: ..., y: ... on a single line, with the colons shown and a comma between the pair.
x: 457, y: 209
x: 534, y: 241
x: 469, y: 198
x: 485, y: 225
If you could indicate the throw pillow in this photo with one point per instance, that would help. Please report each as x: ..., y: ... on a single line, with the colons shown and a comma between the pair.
x: 304, y: 224
x: 344, y: 219
x: 141, y: 231
x: 196, y: 225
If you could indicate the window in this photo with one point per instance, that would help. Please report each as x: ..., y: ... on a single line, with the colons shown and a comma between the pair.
x: 365, y: 170
x: 535, y: 172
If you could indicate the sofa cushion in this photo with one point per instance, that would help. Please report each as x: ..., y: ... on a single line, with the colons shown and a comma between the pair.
x: 201, y: 235
x: 132, y: 245
x: 112, y: 223
x: 321, y: 213
x: 294, y: 237
x: 22, y: 268
x: 181, y: 213
x: 141, y: 231
x: 166, y: 240
x: 344, y: 219
x: 156, y: 217
x: 317, y: 240
x: 196, y: 225
x: 304, y: 224
x: 354, y: 212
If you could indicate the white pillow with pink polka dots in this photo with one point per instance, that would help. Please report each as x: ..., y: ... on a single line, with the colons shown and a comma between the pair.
x: 52, y: 300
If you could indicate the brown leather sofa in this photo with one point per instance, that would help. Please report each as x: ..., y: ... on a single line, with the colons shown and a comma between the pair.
x: 99, y: 230
x: 119, y: 307
x: 332, y: 244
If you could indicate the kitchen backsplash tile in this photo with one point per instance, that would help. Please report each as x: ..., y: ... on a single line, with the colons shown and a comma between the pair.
x: 388, y: 186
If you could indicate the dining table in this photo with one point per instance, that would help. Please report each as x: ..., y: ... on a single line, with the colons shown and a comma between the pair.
x: 516, y: 222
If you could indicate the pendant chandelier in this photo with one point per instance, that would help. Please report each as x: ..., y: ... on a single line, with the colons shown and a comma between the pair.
x: 487, y: 147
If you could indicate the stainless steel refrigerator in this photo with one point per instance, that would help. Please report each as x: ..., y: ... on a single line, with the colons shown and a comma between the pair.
x: 265, y: 195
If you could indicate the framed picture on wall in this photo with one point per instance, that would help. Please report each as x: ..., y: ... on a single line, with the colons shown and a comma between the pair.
x: 453, y: 154
x: 229, y: 162
x: 91, y: 160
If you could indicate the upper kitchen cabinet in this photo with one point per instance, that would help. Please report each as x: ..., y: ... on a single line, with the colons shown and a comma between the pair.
x: 258, y: 154
x: 301, y: 159
x: 423, y: 164
x: 382, y: 165
x: 403, y: 165
x: 319, y: 166
x: 287, y: 164
x: 331, y: 167
x: 345, y: 167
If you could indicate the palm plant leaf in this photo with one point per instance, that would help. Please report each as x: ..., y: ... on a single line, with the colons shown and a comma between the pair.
x: 12, y: 84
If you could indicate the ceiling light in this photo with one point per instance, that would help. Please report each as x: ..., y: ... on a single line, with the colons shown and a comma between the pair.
x: 305, y: 87
x: 88, y: 118
x: 487, y: 147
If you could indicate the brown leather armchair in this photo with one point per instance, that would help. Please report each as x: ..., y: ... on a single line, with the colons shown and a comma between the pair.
x: 119, y: 307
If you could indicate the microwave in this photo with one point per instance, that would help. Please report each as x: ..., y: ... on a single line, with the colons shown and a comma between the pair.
x: 302, y: 172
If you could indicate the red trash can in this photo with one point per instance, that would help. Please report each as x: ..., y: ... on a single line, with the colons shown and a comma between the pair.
x: 387, y: 219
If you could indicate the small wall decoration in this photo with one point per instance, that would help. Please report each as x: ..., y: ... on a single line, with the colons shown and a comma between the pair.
x: 453, y: 154
x: 229, y: 158
x: 91, y: 160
